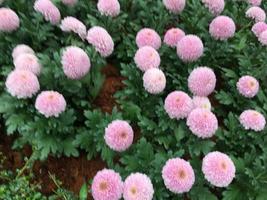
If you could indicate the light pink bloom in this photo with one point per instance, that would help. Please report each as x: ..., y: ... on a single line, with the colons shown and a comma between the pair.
x: 28, y: 62
x: 174, y: 6
x: 21, y: 49
x: 218, y: 169
x: 173, y: 36
x: 148, y: 37
x: 138, y: 186
x: 202, y: 122
x: 22, y: 84
x: 248, y: 86
x: 251, y: 119
x: 107, y: 185
x: 50, y: 103
x: 215, y: 6
x: 71, y: 24
x: 69, y: 2
x: 178, y: 175
x: 146, y: 58
x: 263, y: 38
x: 256, y: 13
x: 119, y: 135
x: 190, y: 48
x: 101, y: 40
x: 255, y: 2
x: 48, y: 10
x: 178, y: 105
x: 201, y: 102
x: 222, y: 28
x: 258, y: 28
x: 9, y: 20
x: 109, y: 7
x: 154, y: 81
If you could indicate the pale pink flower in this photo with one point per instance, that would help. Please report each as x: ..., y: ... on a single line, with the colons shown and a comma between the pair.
x: 248, y: 86
x: 9, y: 20
x: 21, y: 49
x: 255, y: 2
x: 148, y: 37
x: 109, y: 7
x: 215, y: 6
x: 173, y: 36
x: 201, y: 102
x: 146, y: 58
x: 175, y: 6
x: 222, y: 28
x: 252, y: 119
x: 154, y: 81
x: 69, y: 2
x: 258, y: 28
x: 256, y: 13
x: 263, y: 38
x: 71, y: 24
x: 28, y: 62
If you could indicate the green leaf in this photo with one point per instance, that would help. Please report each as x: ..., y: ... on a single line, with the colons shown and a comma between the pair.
x: 83, y: 192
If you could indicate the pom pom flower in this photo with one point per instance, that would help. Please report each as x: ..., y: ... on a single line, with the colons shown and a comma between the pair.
x: 138, y: 186
x: 178, y: 105
x: 9, y: 20
x: 256, y: 13
x: 248, y: 86
x: 154, y: 81
x: 107, y: 185
x: 215, y: 6
x: 148, y: 37
x: 28, y: 62
x: 190, y: 48
x: 71, y: 24
x: 174, y: 6
x: 69, y: 2
x: 222, y: 28
x: 173, y: 36
x: 218, y: 169
x: 178, y: 175
x: 146, y: 58
x: 119, y: 135
x: 263, y: 38
x: 201, y: 102
x: 22, y: 84
x: 76, y: 62
x: 255, y: 2
x: 258, y: 28
x: 21, y: 49
x: 202, y: 81
x: 109, y: 8
x: 101, y: 40
x: 50, y: 103
x: 202, y: 122
x: 251, y: 119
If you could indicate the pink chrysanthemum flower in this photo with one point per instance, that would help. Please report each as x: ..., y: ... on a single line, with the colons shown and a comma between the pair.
x: 109, y: 7
x: 258, y: 28
x: 248, y: 86
x: 173, y: 36
x: 138, y: 186
x: 251, y: 119
x: 71, y: 24
x: 218, y: 169
x: 256, y: 13
x: 201, y: 102
x: 9, y: 20
x: 119, y: 135
x: 202, y: 81
x: 107, y: 185
x: 75, y: 62
x: 178, y: 105
x: 148, y: 37
x: 174, y: 6
x: 190, y: 48
x: 146, y: 58
x: 263, y: 38
x: 50, y: 103
x: 48, y: 10
x: 222, y: 28
x: 154, y: 81
x: 22, y: 84
x: 215, y: 6
x: 255, y: 2
x: 21, y: 49
x: 202, y: 122
x: 178, y: 175
x: 101, y: 40
x: 28, y: 62
x: 69, y: 2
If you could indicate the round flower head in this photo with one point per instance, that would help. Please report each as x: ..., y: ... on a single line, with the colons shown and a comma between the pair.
x: 251, y: 119
x: 254, y: 2
x: 173, y: 36
x: 202, y: 81
x: 201, y: 102
x: 190, y: 48
x: 215, y: 6
x: 174, y: 6
x: 71, y: 24
x: 178, y: 175
x: 263, y: 38
x: 178, y: 105
x: 22, y: 84
x: 202, y: 122
x: 109, y: 7
x: 258, y: 28
x: 28, y: 62
x: 148, y: 37
x: 138, y: 186
x: 69, y: 2
x: 9, y: 20
x: 21, y: 49
x: 222, y: 28
x: 146, y: 58
x: 101, y: 40
x: 48, y: 10
x: 154, y: 81
x: 248, y: 86
x: 50, y: 103
x: 76, y: 62
x: 218, y: 169
x: 256, y: 13
x: 119, y: 135
x: 107, y: 185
